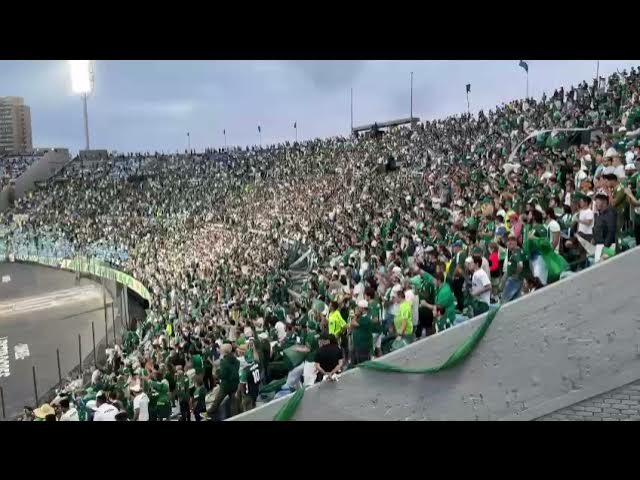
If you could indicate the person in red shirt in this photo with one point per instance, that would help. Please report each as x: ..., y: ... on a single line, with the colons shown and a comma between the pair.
x: 494, y: 265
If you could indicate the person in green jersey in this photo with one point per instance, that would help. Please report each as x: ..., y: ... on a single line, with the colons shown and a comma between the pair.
x: 229, y: 377
x: 633, y: 197
x: 361, y: 327
x: 441, y: 320
x: 198, y: 402
x: 309, y: 346
x: 160, y: 391
x: 446, y: 299
x: 618, y: 202
x: 514, y: 266
x: 183, y: 394
x: 249, y: 385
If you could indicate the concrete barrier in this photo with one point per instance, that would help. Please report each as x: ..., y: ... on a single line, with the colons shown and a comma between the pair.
x: 551, y: 349
x: 41, y: 170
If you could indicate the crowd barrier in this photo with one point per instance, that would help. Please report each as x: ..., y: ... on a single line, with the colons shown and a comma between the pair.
x: 88, y: 266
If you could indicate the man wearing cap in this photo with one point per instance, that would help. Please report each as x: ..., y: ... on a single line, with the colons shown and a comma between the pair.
x: 362, y: 334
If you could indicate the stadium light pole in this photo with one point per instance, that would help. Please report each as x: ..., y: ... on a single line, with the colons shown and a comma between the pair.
x: 82, y: 83
x: 597, y: 77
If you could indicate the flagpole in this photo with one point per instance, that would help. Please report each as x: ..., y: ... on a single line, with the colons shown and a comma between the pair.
x: 468, y: 108
x: 411, y: 111
x: 189, y: 141
x: 351, y: 110
x: 224, y: 132
x: 296, y: 128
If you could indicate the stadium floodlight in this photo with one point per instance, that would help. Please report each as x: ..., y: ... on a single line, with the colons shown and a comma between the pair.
x: 82, y: 83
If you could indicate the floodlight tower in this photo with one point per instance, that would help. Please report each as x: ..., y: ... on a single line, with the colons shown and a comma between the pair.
x: 82, y: 82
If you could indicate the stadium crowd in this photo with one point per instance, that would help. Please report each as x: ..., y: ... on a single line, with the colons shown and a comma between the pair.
x: 12, y: 166
x: 285, y: 265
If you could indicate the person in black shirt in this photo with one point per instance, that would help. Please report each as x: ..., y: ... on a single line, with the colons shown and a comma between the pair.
x: 604, y: 224
x: 329, y: 359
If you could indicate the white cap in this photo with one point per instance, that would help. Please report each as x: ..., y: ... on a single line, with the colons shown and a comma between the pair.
x: 396, y: 269
x: 363, y: 304
x: 629, y: 166
x: 611, y: 152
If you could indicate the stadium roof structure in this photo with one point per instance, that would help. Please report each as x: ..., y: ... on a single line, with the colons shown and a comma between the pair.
x: 391, y: 123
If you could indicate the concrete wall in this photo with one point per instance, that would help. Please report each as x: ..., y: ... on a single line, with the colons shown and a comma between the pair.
x: 41, y: 170
x: 552, y: 349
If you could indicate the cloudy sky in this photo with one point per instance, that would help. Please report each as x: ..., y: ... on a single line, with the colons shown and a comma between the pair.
x: 151, y: 105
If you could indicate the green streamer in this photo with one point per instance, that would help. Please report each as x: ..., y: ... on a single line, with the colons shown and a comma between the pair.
x: 287, y: 411
x: 461, y: 353
x: 289, y: 408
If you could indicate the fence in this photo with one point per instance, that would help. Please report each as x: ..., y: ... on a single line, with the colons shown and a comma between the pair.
x: 82, y: 351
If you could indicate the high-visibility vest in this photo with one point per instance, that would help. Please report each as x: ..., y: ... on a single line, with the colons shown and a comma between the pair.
x: 336, y: 323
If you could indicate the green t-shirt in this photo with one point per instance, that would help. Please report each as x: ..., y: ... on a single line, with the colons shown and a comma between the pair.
x: 311, y: 340
x: 160, y: 390
x: 374, y: 310
x: 198, y: 364
x: 513, y: 258
x: 182, y: 388
x: 363, y: 335
x: 446, y: 298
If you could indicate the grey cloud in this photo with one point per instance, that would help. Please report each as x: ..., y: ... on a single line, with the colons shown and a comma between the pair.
x: 330, y: 74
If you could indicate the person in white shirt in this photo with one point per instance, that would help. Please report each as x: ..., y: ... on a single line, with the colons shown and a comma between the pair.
x: 69, y: 413
x: 618, y: 167
x: 553, y: 227
x: 585, y: 218
x: 105, y: 411
x: 140, y: 404
x: 480, y: 287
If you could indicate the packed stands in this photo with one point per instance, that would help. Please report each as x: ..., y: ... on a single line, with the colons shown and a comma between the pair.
x: 269, y: 266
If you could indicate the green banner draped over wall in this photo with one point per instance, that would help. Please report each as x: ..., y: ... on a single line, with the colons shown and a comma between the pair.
x: 288, y: 410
